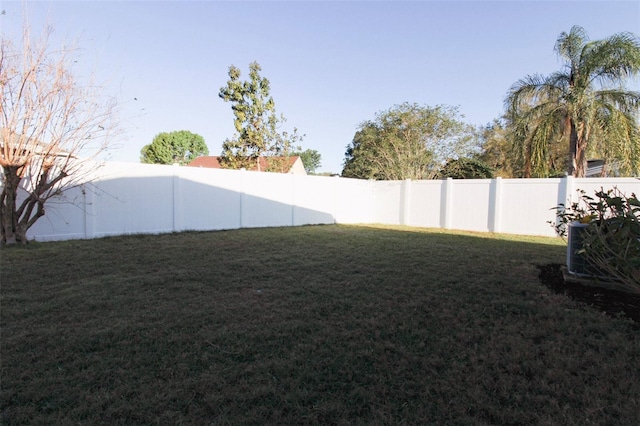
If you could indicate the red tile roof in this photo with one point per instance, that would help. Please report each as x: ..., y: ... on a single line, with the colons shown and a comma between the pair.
x: 207, y: 161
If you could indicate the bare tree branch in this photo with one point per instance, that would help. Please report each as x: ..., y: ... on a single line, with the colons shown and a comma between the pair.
x: 52, y: 123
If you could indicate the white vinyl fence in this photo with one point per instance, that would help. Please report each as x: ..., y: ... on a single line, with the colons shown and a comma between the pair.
x: 128, y: 198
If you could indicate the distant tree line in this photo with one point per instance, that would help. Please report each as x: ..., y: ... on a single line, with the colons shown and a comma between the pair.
x: 408, y: 141
x: 257, y: 135
x: 551, y: 125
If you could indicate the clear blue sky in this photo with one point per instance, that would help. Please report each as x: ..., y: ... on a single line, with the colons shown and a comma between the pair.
x: 331, y: 65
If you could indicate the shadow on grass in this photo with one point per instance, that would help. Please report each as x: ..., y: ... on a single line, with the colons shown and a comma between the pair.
x: 309, y: 325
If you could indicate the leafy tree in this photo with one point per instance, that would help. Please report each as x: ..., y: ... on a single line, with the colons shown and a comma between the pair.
x: 52, y: 123
x: 408, y: 141
x: 180, y: 147
x: 282, y: 149
x: 361, y: 156
x: 311, y: 160
x: 584, y: 106
x: 501, y: 154
x: 256, y: 123
x: 497, y: 149
x: 465, y: 168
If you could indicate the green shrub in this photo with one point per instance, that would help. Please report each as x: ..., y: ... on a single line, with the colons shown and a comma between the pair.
x: 612, y: 238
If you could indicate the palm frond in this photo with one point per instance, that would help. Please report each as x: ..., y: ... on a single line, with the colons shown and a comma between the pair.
x: 546, y: 135
x: 569, y: 46
x: 616, y: 138
x: 535, y: 89
x: 625, y: 100
x: 558, y: 80
x: 612, y: 60
x: 533, y: 132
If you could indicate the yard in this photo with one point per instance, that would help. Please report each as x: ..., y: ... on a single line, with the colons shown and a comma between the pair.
x: 306, y: 325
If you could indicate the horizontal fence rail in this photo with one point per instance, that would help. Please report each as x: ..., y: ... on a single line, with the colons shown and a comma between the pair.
x: 128, y: 198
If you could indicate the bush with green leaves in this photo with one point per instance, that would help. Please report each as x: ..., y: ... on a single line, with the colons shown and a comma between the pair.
x: 611, y: 240
x: 465, y: 168
x: 181, y: 147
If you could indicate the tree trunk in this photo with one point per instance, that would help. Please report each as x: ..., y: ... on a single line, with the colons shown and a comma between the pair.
x: 581, y: 150
x: 8, y: 214
x: 527, y: 161
x: 16, y: 220
x: 581, y: 158
x: 573, y: 149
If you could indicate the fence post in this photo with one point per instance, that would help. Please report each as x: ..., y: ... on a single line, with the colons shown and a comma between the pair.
x: 177, y: 211
x: 566, y: 190
x: 445, y: 203
x: 495, y: 205
x: 335, y: 212
x: 243, y: 194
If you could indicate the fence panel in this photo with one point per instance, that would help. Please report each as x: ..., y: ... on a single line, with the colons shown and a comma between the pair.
x: 387, y: 201
x: 123, y: 198
x: 424, y: 206
x: 66, y: 217
x: 267, y: 199
x: 129, y: 200
x: 208, y: 199
x: 591, y: 185
x: 526, y: 206
x: 353, y: 200
x: 314, y: 200
x: 470, y: 207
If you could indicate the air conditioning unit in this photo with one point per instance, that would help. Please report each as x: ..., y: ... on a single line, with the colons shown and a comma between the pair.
x: 575, y: 261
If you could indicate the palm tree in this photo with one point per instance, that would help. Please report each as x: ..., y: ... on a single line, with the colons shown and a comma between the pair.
x: 584, y: 104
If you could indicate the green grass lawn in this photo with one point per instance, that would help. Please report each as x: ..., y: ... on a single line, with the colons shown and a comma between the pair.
x: 306, y: 325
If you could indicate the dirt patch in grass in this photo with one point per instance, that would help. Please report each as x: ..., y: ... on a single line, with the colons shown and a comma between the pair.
x: 611, y: 302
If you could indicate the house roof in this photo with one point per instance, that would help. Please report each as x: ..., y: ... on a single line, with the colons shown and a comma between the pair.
x: 206, y: 161
x: 214, y: 162
x: 18, y: 146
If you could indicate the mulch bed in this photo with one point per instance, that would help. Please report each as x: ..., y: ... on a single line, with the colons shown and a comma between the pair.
x: 612, y: 302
